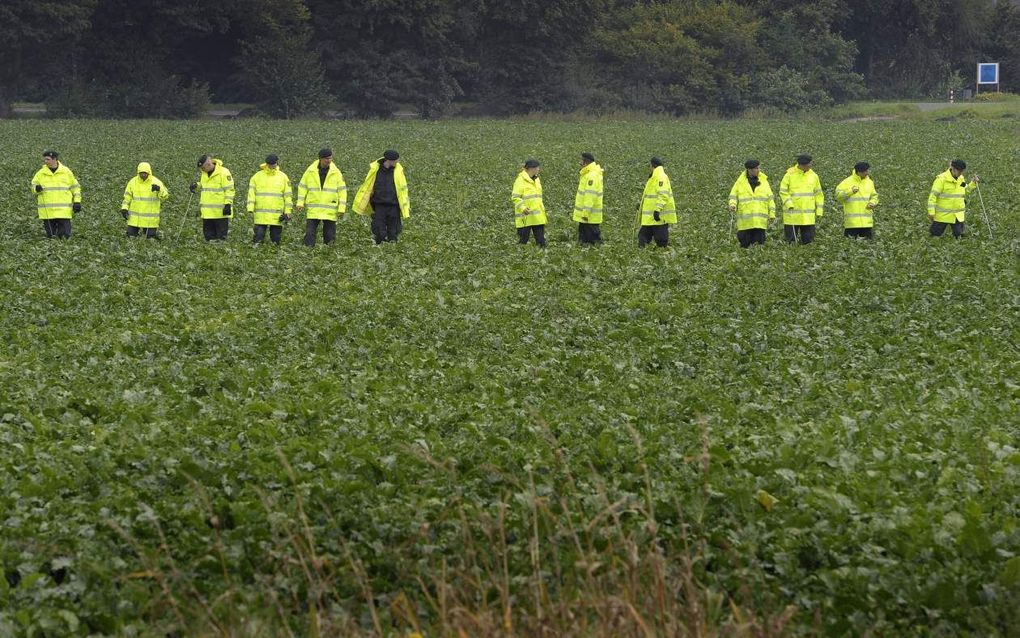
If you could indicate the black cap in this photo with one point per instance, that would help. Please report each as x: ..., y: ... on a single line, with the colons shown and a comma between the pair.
x: 272, y: 159
x: 959, y: 165
x: 325, y: 152
x: 860, y: 167
x: 391, y: 155
x: 655, y: 161
x: 803, y: 159
x: 587, y: 157
x: 203, y: 159
x: 531, y: 163
x: 49, y: 153
x: 752, y: 163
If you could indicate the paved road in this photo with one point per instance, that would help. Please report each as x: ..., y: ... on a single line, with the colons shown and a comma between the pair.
x: 935, y: 106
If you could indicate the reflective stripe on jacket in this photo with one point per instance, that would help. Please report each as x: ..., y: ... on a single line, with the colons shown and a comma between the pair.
x: 658, y: 196
x: 322, y: 200
x: 363, y: 198
x: 216, y: 190
x: 803, y: 200
x: 755, y: 207
x: 529, y: 210
x: 856, y: 213
x: 588, y: 200
x: 60, y: 191
x: 269, y: 196
x: 141, y: 203
x: 947, y: 201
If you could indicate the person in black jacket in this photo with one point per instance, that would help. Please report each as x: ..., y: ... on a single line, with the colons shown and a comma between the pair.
x: 386, y: 221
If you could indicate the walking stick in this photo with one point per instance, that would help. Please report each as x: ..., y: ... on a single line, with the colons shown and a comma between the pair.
x: 984, y: 212
x: 187, y: 209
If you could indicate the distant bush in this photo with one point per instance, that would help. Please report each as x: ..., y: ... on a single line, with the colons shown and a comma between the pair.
x: 785, y: 89
x: 147, y: 96
x: 996, y: 97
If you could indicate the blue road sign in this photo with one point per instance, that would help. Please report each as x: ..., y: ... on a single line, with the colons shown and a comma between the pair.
x: 988, y: 73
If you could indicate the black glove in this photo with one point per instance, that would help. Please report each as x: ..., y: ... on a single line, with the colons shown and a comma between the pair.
x: 226, y: 210
x: 155, y: 188
x: 38, y: 188
x: 284, y: 218
x: 656, y: 215
x: 76, y: 207
x: 124, y: 213
x: 193, y: 187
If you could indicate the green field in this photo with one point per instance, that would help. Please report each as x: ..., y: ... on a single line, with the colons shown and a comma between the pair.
x: 458, y: 434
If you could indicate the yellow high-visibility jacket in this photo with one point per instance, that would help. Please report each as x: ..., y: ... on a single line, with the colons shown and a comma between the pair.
x: 803, y: 200
x: 947, y: 201
x: 269, y: 196
x: 754, y: 207
x: 527, y: 199
x: 588, y: 200
x: 141, y: 202
x: 658, y: 196
x: 363, y: 198
x: 217, y: 189
x: 60, y: 190
x: 856, y: 213
x: 322, y: 200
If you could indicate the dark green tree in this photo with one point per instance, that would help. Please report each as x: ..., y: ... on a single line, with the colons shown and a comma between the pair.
x: 382, y: 55
x: 1002, y: 44
x: 677, y: 58
x: 917, y: 48
x: 132, y: 60
x: 801, y: 36
x: 40, y: 39
x: 277, y: 62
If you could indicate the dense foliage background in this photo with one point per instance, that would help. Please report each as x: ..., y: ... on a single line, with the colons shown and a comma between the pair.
x: 168, y: 58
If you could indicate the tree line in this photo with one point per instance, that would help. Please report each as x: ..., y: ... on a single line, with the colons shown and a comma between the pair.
x: 294, y: 58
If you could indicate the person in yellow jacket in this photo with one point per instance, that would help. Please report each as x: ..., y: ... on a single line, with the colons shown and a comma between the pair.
x: 383, y: 195
x: 588, y: 202
x: 658, y: 208
x: 803, y: 201
x: 529, y: 211
x: 947, y: 201
x: 57, y: 196
x: 859, y: 198
x: 215, y: 204
x: 143, y: 197
x: 270, y: 200
x: 753, y: 203
x: 323, y: 191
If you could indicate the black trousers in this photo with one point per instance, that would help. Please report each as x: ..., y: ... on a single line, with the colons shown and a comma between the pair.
x: 150, y: 233
x: 806, y: 232
x: 751, y: 236
x: 538, y: 231
x: 866, y: 233
x: 59, y: 228
x: 589, y: 234
x: 275, y: 233
x: 938, y: 228
x: 312, y: 227
x: 386, y: 222
x: 215, y: 229
x: 659, y: 233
